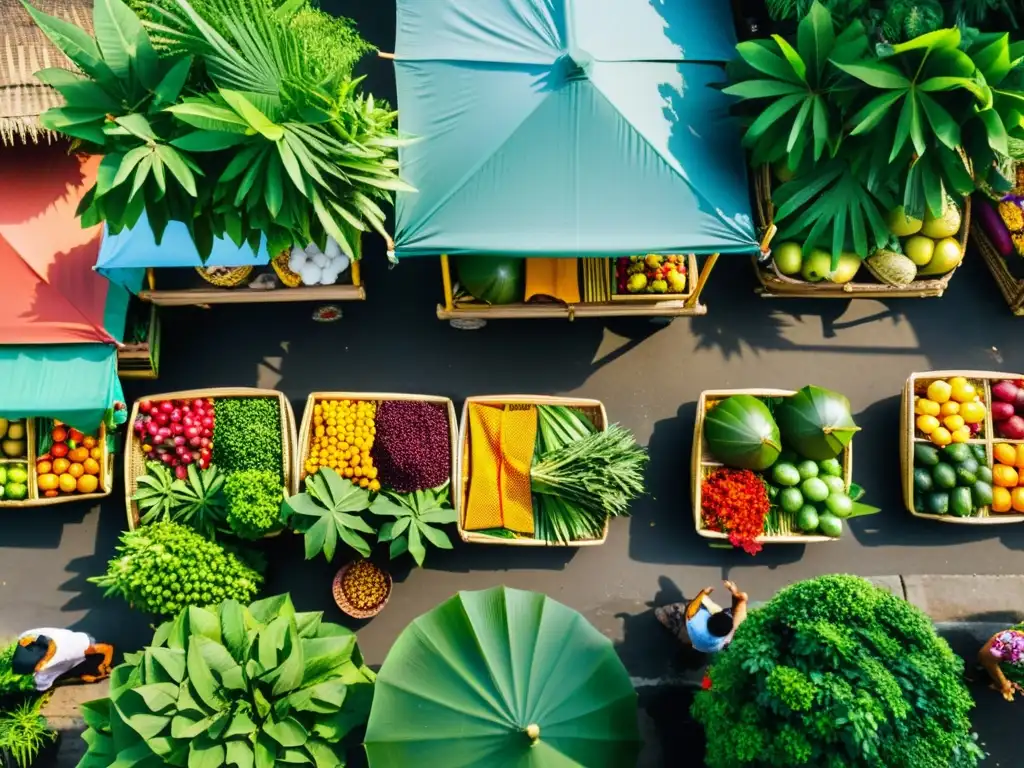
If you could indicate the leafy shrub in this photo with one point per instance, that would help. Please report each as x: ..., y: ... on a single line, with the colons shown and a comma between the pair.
x: 254, y: 502
x: 24, y: 732
x: 164, y: 567
x: 10, y: 681
x: 247, y: 433
x: 838, y: 673
x: 231, y: 685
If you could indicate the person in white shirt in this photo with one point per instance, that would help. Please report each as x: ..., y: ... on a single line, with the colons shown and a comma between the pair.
x: 51, y: 654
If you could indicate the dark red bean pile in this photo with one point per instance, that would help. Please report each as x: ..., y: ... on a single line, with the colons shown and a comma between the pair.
x: 412, y: 448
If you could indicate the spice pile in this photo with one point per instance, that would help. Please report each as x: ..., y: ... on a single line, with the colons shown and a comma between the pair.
x: 774, y: 467
x: 375, y: 467
x: 364, y: 586
x: 546, y: 472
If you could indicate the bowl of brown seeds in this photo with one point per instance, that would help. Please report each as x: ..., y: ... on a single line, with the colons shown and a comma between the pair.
x: 361, y: 589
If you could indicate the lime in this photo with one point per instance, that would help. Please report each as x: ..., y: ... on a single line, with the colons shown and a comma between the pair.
x: 814, y: 489
x: 837, y: 484
x: 791, y: 500
x: 839, y: 504
x: 807, y: 519
x: 807, y: 469
x: 831, y: 467
x: 830, y: 525
x: 786, y: 474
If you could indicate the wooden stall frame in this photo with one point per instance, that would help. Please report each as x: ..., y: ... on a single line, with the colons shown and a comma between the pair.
x: 148, y: 357
x: 592, y: 409
x: 1011, y: 287
x: 776, y: 285
x: 34, y: 499
x: 702, y: 463
x: 135, y: 462
x: 305, y: 430
x: 908, y: 438
x: 638, y: 306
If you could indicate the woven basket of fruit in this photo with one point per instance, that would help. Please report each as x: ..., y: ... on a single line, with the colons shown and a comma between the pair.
x: 919, y: 263
x: 998, y: 230
x: 361, y: 589
x: 225, y: 277
x: 773, y: 466
x: 962, y: 447
x: 230, y: 447
x: 654, y: 277
x: 544, y: 483
x: 45, y: 462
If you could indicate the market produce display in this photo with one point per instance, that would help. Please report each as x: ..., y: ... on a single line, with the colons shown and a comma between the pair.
x: 285, y: 687
x: 827, y: 112
x: 216, y: 464
x: 377, y: 469
x: 963, y: 446
x: 46, y: 460
x: 774, y: 466
x: 545, y: 473
x: 650, y: 274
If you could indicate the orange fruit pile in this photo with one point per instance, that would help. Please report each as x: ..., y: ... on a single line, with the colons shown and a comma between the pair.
x: 1008, y: 478
x: 343, y: 434
x: 72, y: 464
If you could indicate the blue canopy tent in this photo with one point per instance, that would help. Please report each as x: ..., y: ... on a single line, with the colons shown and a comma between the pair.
x: 568, y: 128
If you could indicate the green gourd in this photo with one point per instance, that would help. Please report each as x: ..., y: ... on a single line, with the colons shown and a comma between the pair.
x: 741, y: 432
x: 816, y: 423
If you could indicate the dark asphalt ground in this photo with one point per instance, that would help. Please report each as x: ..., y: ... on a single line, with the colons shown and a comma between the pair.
x: 649, y: 379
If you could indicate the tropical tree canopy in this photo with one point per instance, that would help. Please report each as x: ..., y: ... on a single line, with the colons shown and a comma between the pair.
x: 223, y: 119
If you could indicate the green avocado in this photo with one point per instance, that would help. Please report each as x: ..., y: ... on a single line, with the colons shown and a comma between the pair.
x: 925, y: 455
x: 965, y: 477
x: 936, y: 503
x: 981, y: 494
x: 923, y: 480
x: 957, y: 452
x: 960, y: 503
x: 979, y: 453
x: 944, y: 476
x: 984, y: 474
x: 807, y: 519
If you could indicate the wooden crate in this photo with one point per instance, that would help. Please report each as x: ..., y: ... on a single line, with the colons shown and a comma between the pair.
x: 35, y: 499
x: 703, y: 464
x: 1010, y: 286
x: 142, y: 361
x: 916, y: 384
x: 305, y: 431
x: 776, y: 285
x: 135, y: 462
x: 592, y: 409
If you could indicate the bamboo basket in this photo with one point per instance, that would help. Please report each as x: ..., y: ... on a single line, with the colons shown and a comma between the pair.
x: 231, y: 279
x: 342, y: 601
x: 917, y: 383
x: 34, y: 498
x: 305, y: 431
x: 592, y: 409
x: 135, y: 462
x: 775, y: 284
x: 703, y: 464
x: 1011, y: 287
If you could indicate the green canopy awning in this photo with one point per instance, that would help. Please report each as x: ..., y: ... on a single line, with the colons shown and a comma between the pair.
x: 75, y: 383
x: 568, y: 128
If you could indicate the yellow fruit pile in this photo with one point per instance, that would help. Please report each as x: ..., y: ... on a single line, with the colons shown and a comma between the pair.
x: 343, y: 432
x: 1008, y: 478
x: 948, y: 409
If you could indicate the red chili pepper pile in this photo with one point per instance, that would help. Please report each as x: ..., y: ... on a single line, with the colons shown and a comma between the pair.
x: 735, y: 501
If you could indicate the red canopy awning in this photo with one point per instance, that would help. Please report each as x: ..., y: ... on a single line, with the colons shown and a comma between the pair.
x: 49, y: 292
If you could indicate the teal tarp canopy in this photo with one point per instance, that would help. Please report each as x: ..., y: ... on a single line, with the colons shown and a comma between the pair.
x: 75, y: 383
x: 568, y: 128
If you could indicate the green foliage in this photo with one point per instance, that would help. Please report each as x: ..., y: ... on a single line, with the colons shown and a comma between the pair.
x: 247, y: 434
x: 271, y: 138
x: 24, y: 732
x: 260, y: 685
x: 328, y: 510
x: 834, y: 671
x: 253, y: 499
x: 163, y: 567
x: 415, y: 515
x: 196, y: 501
x: 10, y: 681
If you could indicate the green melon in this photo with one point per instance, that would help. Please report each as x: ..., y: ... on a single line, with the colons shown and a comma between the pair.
x: 816, y: 422
x: 493, y: 279
x: 741, y: 432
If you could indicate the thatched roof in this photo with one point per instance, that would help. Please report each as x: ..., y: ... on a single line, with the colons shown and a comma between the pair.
x: 24, y: 50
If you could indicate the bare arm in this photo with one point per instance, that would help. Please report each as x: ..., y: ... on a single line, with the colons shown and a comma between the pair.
x: 739, y: 605
x: 695, y: 604
x: 991, y: 665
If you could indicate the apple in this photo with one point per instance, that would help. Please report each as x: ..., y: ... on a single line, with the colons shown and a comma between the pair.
x: 919, y: 249
x: 849, y: 263
x: 788, y: 257
x: 817, y: 266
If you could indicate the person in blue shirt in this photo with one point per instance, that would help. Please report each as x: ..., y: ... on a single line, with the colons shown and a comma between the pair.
x: 701, y: 623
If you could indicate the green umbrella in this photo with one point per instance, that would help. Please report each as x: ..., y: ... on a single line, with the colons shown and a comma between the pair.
x: 502, y: 678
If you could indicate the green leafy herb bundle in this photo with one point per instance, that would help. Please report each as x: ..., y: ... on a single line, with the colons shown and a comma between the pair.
x: 580, y: 476
x: 253, y: 498
x: 24, y: 732
x: 259, y: 685
x: 247, y: 434
x: 414, y: 515
x: 330, y: 509
x: 197, y: 501
x: 863, y: 127
x: 237, y: 118
x: 164, y: 567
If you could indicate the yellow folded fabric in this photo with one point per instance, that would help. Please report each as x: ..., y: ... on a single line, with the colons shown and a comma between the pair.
x: 501, y: 449
x: 556, y: 278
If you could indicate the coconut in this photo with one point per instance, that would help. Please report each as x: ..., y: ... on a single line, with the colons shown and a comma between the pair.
x: 891, y: 268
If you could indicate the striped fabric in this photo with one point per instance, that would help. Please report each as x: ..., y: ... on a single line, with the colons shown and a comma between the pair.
x: 24, y: 50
